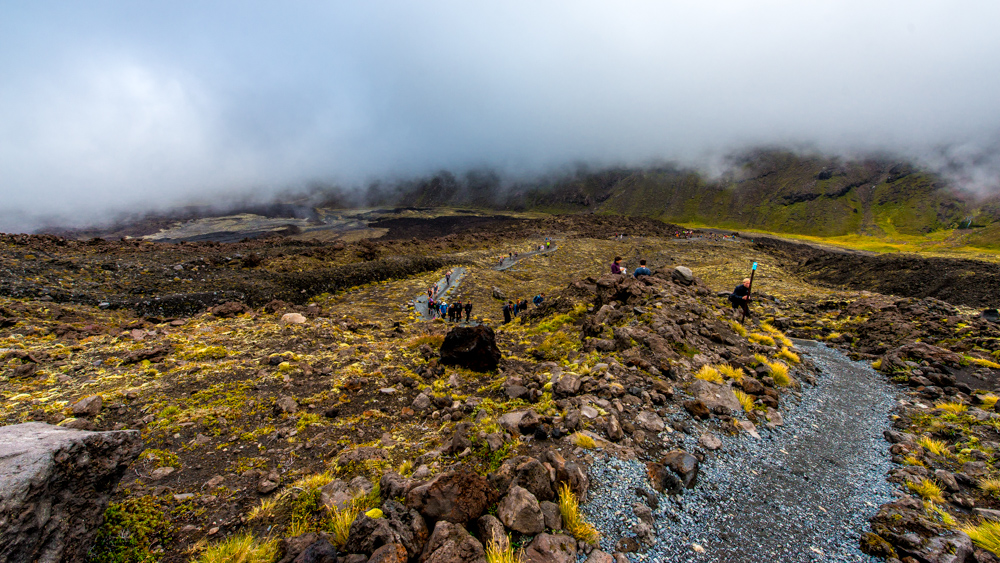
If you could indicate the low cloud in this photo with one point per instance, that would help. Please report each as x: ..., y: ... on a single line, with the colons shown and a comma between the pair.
x: 110, y: 108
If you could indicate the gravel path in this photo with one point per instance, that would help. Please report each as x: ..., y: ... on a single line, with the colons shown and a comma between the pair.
x: 444, y: 289
x: 506, y: 263
x: 804, y: 492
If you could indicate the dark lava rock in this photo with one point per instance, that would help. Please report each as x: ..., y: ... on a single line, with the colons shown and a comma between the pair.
x: 684, y: 465
x: 54, y: 486
x: 456, y: 496
x: 229, y: 309
x: 697, y: 409
x: 472, y: 347
x: 663, y: 479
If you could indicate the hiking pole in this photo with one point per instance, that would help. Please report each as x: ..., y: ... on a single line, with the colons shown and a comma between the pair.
x: 743, y: 313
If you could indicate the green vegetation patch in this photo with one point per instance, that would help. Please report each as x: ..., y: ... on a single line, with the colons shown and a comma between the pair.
x: 134, y: 531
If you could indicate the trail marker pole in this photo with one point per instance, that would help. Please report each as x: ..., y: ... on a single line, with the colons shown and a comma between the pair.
x: 753, y: 270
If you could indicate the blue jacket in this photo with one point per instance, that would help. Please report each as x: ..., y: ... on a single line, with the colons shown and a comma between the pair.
x: 642, y: 271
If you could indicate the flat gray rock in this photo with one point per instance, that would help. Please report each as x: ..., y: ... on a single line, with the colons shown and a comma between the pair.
x: 54, y: 486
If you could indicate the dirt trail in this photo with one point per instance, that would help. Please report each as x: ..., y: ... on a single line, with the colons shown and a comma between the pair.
x: 507, y: 263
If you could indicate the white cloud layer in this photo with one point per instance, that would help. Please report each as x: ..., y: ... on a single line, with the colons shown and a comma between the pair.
x: 114, y: 106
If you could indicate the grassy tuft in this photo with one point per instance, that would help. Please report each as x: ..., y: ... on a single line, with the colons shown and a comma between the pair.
x: 242, y: 548
x: 738, y: 328
x: 729, y: 371
x: 496, y: 554
x: 746, y: 400
x: 982, y: 362
x: 990, y: 486
x: 340, y: 524
x: 779, y: 372
x: 927, y: 489
x: 573, y: 521
x: 761, y: 339
x: 954, y: 408
x: 913, y: 460
x: 986, y: 535
x: 266, y: 510
x: 709, y: 373
x: 789, y: 356
x: 761, y: 359
x: 583, y: 441
x: 988, y: 401
x: 432, y: 340
x: 936, y: 447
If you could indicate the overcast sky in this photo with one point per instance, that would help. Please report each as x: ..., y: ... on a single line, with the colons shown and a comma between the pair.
x: 112, y: 105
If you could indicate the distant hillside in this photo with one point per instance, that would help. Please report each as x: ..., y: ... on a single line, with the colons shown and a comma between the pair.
x: 766, y: 189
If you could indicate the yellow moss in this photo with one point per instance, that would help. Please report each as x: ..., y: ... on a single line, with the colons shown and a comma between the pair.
x: 583, y: 441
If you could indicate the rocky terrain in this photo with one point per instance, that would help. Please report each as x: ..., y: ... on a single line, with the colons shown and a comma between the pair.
x: 293, y: 405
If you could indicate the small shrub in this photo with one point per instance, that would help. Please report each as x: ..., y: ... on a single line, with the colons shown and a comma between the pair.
x: 760, y: 359
x: 769, y: 328
x: 761, y: 339
x: 789, y: 356
x: 708, y: 373
x: 573, y: 521
x: 242, y: 548
x: 954, y: 408
x: 927, y: 489
x: 746, y: 400
x: 936, y: 447
x: 986, y: 535
x: 729, y: 371
x: 582, y: 440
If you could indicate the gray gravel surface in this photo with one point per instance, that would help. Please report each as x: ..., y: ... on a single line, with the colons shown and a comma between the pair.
x: 804, y: 492
x: 444, y: 289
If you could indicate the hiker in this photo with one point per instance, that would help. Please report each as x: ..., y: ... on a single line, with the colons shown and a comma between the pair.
x: 507, y: 312
x: 444, y: 309
x: 642, y: 270
x: 740, y: 298
x: 447, y: 278
x: 616, y: 266
x: 523, y: 305
x: 431, y: 308
x: 548, y: 245
x: 468, y: 310
x: 538, y: 299
x: 457, y: 308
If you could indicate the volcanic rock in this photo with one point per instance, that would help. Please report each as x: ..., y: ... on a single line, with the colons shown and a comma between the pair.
x: 472, y: 347
x: 54, y: 486
x: 455, y: 496
x: 682, y: 275
x: 551, y: 548
x: 451, y: 543
x: 519, y: 511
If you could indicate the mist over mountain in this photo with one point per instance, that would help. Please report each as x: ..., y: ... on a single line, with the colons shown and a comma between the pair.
x: 116, y: 108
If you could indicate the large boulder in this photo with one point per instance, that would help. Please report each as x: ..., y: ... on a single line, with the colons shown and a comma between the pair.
x: 682, y: 275
x: 399, y: 526
x: 684, y: 465
x: 456, y: 496
x: 451, y: 543
x: 551, y: 548
x: 520, y: 511
x: 54, y: 486
x: 715, y: 396
x: 472, y: 347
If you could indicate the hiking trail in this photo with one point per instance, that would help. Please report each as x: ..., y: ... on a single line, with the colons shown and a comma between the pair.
x: 444, y: 291
x: 804, y: 492
x: 507, y: 263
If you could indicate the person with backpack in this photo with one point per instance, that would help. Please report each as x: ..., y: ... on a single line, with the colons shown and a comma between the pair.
x: 457, y: 306
x: 468, y: 310
x: 431, y: 308
x: 507, y: 312
x: 642, y: 270
x: 538, y: 299
x: 444, y: 309
x: 447, y: 278
x: 740, y: 298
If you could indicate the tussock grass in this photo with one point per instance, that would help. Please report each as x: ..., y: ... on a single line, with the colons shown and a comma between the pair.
x: 746, y: 400
x: 709, y: 373
x: 913, y: 460
x: 738, y: 328
x: 497, y: 554
x: 936, y: 447
x: 779, y: 372
x: 340, y: 524
x: 988, y: 401
x: 314, y: 481
x: 985, y: 534
x: 990, y: 486
x: 761, y: 339
x: 581, y: 440
x: 946, y: 519
x: 736, y: 374
x: 982, y: 362
x: 242, y: 548
x: 783, y: 340
x: 761, y: 359
x: 267, y: 509
x: 789, y: 356
x: 406, y: 468
x: 954, y: 408
x: 927, y: 489
x: 573, y: 521
x: 769, y: 328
